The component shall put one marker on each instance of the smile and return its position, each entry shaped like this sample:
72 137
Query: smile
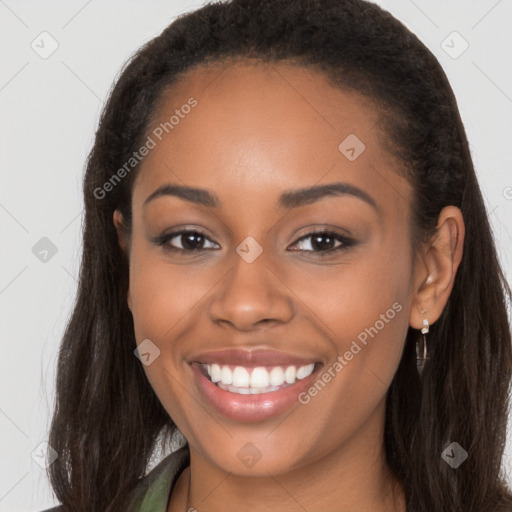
252 385
255 380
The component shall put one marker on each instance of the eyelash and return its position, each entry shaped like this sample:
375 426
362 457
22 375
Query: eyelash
163 241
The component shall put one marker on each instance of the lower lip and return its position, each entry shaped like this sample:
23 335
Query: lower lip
250 408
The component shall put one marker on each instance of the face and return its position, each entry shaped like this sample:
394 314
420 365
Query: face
296 303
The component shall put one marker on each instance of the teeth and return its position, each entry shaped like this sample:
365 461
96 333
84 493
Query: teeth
305 371
226 376
214 372
240 377
256 380
276 376
259 378
247 391
289 374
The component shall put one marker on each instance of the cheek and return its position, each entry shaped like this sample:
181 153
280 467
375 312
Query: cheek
162 294
352 296
164 300
363 308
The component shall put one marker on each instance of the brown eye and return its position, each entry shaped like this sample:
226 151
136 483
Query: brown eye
323 242
185 241
191 241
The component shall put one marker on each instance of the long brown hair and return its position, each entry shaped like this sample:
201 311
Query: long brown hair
107 417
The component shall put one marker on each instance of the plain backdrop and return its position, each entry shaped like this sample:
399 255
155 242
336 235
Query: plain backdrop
49 111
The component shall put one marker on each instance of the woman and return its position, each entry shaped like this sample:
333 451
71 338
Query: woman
288 261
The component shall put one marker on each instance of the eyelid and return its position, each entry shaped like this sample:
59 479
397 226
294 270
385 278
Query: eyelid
344 239
163 240
166 237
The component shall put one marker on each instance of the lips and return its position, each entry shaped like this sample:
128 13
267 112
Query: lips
251 358
252 385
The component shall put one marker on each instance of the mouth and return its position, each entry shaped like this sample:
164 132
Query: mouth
255 380
252 386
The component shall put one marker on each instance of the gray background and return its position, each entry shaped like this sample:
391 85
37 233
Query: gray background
49 110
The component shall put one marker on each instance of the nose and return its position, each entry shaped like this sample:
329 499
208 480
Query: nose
251 294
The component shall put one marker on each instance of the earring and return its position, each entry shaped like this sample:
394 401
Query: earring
421 347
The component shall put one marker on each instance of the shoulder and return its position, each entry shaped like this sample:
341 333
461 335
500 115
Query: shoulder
58 508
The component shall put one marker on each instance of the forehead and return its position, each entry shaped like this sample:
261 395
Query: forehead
257 128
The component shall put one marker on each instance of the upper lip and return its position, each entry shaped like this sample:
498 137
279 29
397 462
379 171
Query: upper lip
243 357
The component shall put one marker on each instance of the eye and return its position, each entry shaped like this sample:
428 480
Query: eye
185 240
193 242
323 242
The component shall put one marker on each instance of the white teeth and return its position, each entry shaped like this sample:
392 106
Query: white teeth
304 371
214 372
256 380
276 376
259 378
248 391
226 376
240 377
289 374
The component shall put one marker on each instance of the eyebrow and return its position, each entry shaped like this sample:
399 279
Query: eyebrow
304 196
289 199
192 194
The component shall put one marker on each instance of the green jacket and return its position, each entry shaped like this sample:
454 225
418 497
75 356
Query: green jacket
152 493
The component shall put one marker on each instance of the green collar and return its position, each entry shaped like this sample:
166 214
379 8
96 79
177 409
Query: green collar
153 492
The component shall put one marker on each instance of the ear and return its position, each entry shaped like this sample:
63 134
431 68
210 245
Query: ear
436 268
119 225
123 243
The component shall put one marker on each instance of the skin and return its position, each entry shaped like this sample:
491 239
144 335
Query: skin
257 131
